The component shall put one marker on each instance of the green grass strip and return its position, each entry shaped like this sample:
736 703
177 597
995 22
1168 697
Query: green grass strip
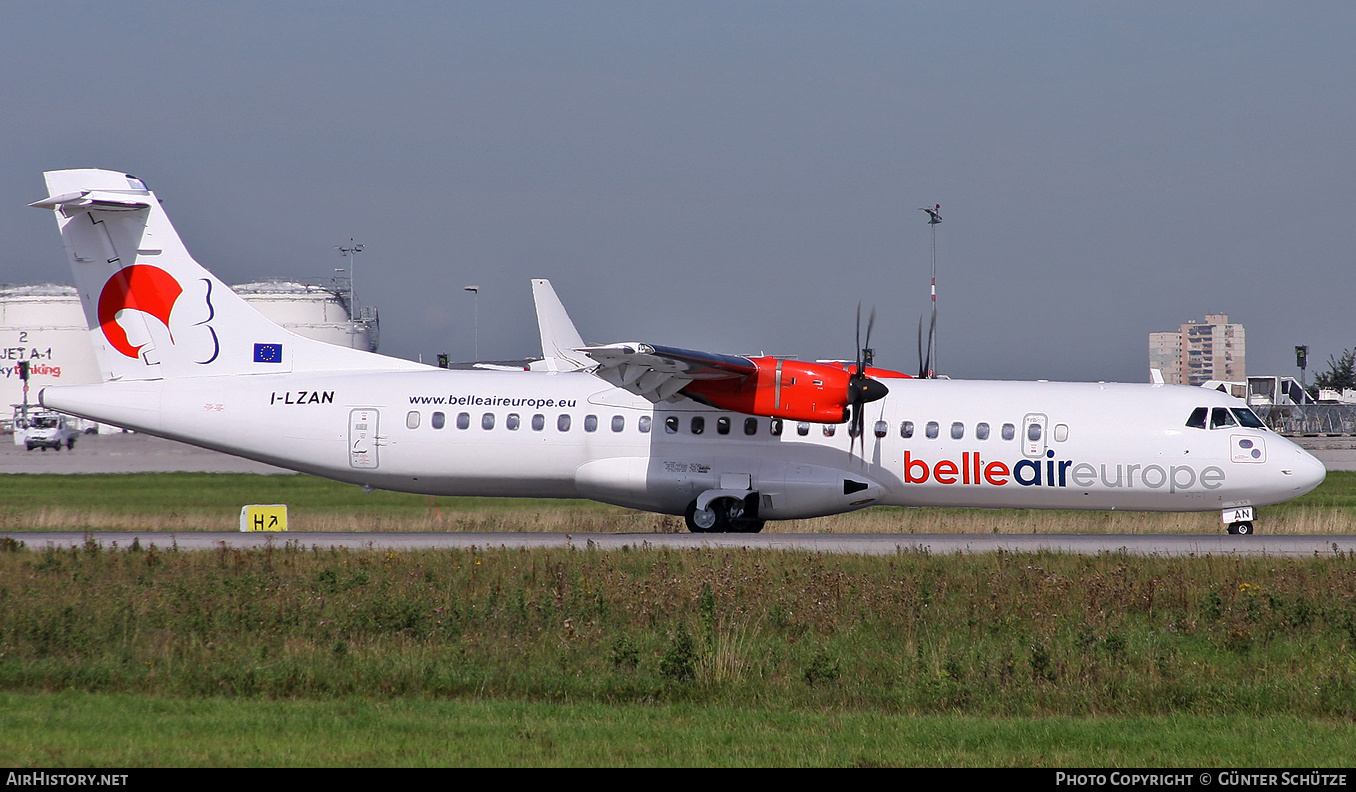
84 730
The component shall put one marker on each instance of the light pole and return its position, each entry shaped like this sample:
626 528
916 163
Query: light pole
929 366
350 252
475 301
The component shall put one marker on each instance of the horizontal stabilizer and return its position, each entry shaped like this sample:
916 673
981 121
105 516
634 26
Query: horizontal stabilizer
84 200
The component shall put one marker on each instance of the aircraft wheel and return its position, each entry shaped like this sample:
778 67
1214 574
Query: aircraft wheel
750 526
704 521
736 520
1241 528
70 444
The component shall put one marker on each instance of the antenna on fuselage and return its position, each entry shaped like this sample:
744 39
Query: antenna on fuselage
927 366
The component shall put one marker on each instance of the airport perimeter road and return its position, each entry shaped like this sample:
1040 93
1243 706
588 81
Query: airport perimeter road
863 544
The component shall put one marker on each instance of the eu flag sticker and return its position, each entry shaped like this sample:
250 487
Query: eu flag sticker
268 353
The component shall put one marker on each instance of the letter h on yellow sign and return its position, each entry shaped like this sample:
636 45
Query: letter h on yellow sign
263 517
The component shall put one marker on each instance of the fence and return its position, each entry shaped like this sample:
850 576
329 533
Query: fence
1310 419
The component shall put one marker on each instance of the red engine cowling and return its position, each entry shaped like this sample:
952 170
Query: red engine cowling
789 389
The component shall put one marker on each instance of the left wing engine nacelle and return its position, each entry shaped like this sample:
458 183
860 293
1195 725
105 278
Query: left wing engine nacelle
790 389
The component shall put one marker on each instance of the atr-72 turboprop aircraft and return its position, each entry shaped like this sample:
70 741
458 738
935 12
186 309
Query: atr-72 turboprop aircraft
729 442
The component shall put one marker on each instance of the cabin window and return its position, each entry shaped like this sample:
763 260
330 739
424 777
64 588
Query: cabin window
563 423
671 424
512 421
1009 431
1033 432
957 431
590 423
412 420
932 430
906 429
1197 419
1248 418
882 429
750 426
438 420
723 425
538 422
643 423
1220 418
802 429
775 427
618 423
463 420
487 421
1061 433
830 430
698 424
981 431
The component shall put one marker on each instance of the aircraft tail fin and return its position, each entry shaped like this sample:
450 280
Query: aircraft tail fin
560 341
155 313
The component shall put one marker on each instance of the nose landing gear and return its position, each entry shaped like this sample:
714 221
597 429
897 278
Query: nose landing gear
1239 519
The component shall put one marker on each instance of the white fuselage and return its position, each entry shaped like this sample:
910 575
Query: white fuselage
1098 446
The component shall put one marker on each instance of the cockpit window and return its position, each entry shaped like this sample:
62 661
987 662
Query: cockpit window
1220 418
1248 418
1197 419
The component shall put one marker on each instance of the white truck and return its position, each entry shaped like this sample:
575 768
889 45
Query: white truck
46 429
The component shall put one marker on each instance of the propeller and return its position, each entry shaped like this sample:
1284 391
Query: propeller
862 389
925 362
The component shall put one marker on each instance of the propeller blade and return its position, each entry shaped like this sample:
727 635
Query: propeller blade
932 341
922 364
858 342
870 323
863 389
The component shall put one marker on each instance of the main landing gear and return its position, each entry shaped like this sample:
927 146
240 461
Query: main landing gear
725 515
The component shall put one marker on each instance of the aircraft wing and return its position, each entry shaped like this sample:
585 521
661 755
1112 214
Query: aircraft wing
659 372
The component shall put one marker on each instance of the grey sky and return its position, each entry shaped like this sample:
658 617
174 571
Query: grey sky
732 177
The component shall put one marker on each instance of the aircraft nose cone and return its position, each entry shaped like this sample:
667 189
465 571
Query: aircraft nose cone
1309 472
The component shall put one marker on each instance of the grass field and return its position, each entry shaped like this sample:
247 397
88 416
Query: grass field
729 657
150 656
211 502
113 730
